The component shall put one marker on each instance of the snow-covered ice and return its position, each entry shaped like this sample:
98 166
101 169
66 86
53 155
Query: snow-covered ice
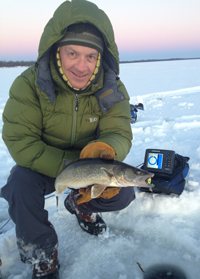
154 228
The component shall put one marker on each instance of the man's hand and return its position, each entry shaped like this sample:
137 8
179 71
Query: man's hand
98 150
103 151
108 193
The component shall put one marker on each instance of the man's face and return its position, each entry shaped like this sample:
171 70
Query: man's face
78 64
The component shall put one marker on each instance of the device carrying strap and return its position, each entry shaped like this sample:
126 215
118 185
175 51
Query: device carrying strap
179 165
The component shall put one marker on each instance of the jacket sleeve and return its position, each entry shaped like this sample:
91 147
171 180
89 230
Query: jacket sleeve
22 132
115 127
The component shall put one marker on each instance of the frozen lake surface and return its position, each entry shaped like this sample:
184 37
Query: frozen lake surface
154 228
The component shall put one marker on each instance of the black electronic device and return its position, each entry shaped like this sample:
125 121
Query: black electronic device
170 170
159 161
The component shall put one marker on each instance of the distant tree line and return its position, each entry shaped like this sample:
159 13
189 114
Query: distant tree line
16 63
30 63
158 60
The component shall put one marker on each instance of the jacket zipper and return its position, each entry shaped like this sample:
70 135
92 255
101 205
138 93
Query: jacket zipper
76 99
76 96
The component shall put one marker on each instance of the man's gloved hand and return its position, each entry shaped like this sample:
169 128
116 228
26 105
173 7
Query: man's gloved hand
103 151
98 150
108 193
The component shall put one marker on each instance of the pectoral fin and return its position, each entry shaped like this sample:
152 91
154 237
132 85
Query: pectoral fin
96 190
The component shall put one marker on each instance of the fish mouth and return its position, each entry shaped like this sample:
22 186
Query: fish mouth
146 181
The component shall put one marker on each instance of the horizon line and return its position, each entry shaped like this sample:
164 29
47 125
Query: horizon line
4 63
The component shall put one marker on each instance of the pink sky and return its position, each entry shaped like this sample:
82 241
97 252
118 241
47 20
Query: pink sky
143 30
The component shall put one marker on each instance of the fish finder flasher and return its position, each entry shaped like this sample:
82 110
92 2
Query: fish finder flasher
159 161
170 170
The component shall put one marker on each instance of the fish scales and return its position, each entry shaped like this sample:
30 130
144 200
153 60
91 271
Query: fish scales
81 173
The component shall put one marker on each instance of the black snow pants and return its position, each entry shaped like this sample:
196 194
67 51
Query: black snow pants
25 192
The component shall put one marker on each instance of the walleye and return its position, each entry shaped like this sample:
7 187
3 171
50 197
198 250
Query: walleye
100 174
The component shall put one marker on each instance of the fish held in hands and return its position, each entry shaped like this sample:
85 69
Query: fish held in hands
100 174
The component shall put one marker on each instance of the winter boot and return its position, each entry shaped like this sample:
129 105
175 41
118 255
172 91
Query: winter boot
91 223
47 270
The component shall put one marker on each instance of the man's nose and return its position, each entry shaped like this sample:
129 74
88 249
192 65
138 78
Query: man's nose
81 64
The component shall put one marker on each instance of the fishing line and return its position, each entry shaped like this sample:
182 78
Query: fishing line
139 165
4 225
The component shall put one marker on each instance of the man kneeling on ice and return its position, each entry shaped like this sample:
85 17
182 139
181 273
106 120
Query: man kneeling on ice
69 105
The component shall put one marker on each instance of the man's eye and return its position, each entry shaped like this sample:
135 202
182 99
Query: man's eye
71 54
92 58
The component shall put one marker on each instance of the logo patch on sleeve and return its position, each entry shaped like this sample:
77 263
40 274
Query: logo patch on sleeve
91 120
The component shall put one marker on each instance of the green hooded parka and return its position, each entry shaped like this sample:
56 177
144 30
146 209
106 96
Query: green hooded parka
45 122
